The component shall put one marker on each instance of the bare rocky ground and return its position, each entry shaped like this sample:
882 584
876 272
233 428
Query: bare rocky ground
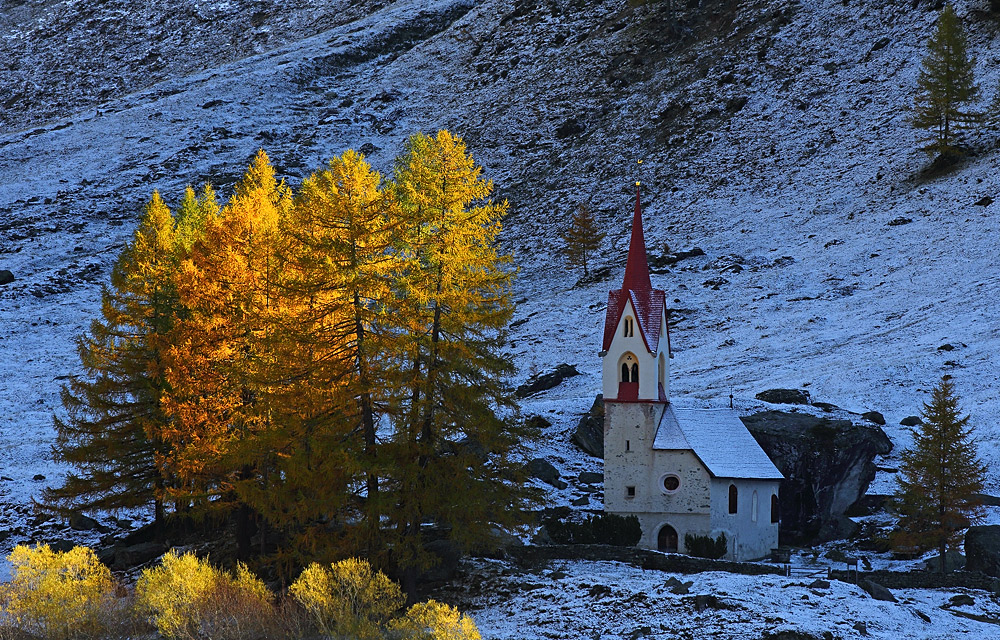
774 136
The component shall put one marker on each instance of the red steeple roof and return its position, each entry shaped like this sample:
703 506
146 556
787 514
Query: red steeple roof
636 268
647 302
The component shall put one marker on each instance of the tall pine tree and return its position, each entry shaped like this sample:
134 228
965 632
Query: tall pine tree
343 256
946 86
940 477
222 359
115 419
457 433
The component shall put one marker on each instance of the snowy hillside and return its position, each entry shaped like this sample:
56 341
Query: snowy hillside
774 137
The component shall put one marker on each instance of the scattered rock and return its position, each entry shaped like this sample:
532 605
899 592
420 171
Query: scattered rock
537 422
704 601
4 535
599 591
546 472
641 632
911 421
580 502
62 546
982 549
953 561
819 584
569 128
946 347
557 575
874 417
136 555
80 522
826 406
861 627
784 396
6 277
827 464
501 539
961 600
715 283
677 587
877 591
38 477
985 201
589 434
448 555
6 478
591 477
659 263
896 222
546 381
988 500
923 616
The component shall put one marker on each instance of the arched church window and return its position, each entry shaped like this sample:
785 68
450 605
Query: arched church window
774 508
733 498
624 372
635 372
753 507
629 328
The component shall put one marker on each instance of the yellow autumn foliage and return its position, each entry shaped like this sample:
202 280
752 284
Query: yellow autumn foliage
433 620
348 599
188 598
57 595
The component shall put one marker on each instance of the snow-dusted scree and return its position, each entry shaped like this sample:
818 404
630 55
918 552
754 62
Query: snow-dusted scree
774 137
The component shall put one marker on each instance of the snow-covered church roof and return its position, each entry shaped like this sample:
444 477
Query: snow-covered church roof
720 440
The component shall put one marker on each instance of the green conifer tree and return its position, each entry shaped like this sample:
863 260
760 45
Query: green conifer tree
940 477
457 436
946 86
582 238
115 412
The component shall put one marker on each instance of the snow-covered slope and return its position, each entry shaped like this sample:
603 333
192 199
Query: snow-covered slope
774 136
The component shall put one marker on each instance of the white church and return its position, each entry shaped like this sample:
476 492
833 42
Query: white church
679 470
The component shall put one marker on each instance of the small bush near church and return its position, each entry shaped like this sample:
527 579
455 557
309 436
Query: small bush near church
619 531
706 546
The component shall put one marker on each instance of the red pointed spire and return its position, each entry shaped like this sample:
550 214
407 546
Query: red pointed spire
636 268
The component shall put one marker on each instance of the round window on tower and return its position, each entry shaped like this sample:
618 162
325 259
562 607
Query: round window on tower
670 483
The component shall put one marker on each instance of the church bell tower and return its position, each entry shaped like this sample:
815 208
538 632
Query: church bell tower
636 348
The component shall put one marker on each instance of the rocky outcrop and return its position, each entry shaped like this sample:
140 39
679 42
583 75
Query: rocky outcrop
589 434
546 381
6 277
982 549
784 396
546 472
827 464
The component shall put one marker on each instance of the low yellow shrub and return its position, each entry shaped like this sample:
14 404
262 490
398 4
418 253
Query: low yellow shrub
58 595
348 599
434 620
187 598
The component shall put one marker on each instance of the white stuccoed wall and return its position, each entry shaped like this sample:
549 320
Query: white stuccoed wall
748 540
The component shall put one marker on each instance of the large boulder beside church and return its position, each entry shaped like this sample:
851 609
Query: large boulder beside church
589 434
982 549
827 464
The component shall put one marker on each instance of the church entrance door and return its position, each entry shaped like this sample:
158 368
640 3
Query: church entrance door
666 540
